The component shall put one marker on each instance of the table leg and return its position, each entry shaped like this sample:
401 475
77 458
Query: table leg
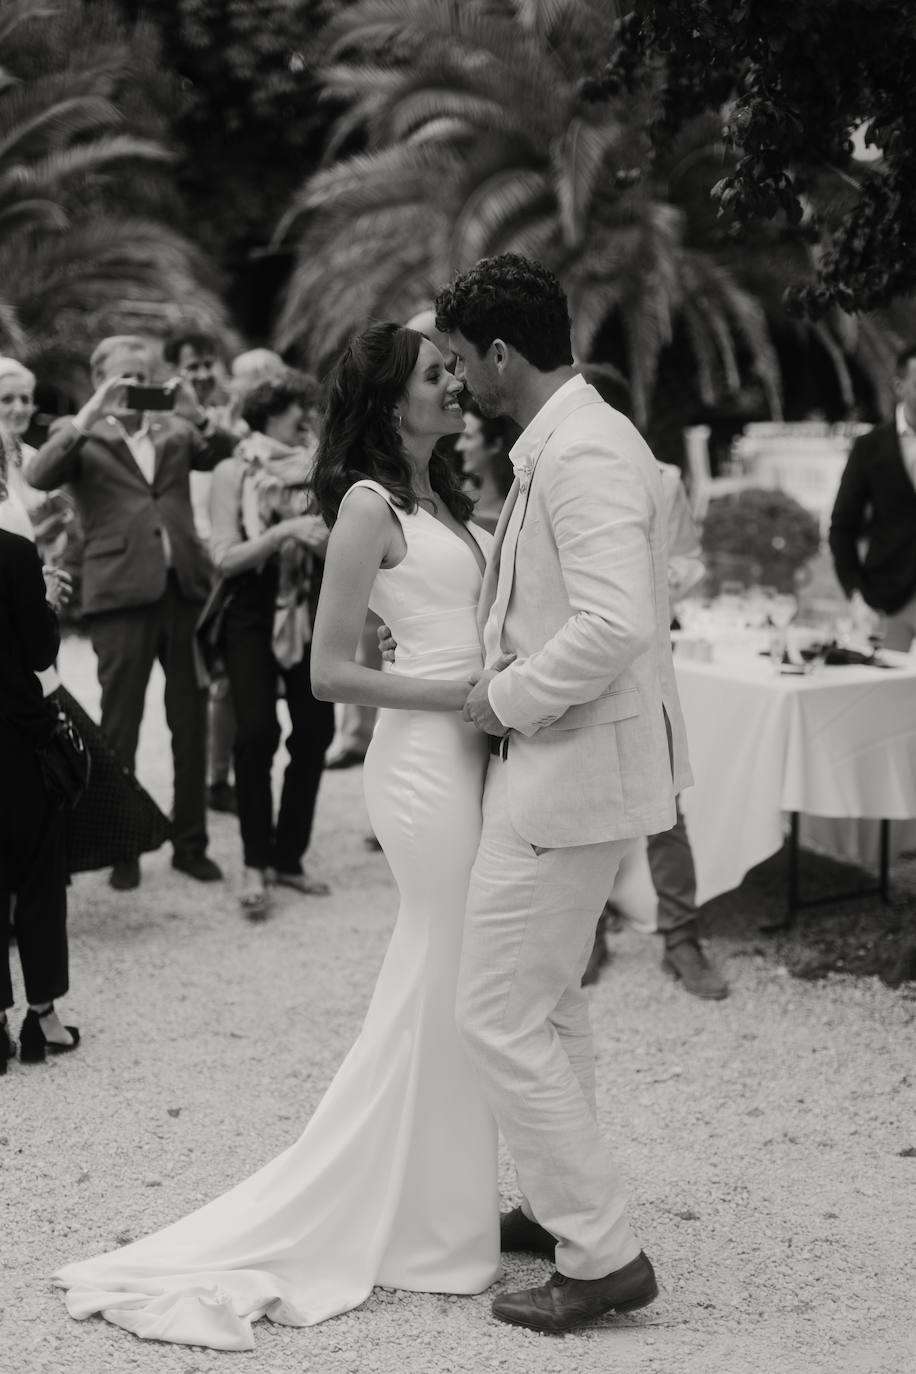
883 884
793 868
793 899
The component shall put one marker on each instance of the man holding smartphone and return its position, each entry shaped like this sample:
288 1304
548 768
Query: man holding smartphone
126 457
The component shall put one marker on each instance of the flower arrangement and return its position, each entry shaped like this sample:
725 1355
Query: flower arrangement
762 529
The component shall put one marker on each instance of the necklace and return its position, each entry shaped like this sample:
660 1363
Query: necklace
428 500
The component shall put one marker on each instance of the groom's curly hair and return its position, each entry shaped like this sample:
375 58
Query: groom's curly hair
514 299
360 429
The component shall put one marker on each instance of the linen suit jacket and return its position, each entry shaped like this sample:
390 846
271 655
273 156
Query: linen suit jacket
876 502
597 748
123 516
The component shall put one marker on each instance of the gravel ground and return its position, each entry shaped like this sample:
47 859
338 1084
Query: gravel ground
769 1139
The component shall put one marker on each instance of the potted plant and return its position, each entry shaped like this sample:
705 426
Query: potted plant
759 536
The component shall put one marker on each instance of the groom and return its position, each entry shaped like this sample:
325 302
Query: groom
588 752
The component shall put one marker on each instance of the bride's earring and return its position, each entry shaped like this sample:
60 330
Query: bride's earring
396 417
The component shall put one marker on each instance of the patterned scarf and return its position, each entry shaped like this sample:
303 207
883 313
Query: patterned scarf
276 485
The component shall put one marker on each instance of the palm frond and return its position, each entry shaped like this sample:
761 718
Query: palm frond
503 198
32 214
16 12
79 160
66 119
579 157
13 338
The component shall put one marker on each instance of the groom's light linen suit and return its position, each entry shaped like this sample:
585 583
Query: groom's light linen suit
577 589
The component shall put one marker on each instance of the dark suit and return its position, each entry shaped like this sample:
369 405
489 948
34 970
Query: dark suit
32 831
141 592
876 502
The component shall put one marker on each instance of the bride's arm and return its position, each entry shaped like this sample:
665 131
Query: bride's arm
365 537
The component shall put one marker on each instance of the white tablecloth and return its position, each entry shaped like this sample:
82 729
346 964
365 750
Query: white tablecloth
837 743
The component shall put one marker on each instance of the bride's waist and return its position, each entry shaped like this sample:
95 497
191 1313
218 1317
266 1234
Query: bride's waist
436 644
455 660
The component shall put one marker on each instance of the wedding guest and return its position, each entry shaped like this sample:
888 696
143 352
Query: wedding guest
267 544
197 355
668 853
248 369
46 516
33 861
484 450
873 526
116 818
145 575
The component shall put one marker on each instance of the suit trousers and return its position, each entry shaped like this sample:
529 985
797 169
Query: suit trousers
525 1017
33 865
254 676
127 643
674 878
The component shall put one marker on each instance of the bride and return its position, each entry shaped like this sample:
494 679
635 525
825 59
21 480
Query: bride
393 1181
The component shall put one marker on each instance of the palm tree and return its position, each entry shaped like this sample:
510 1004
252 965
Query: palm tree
465 133
80 252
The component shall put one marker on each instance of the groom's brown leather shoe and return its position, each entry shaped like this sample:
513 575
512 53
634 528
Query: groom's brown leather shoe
519 1233
563 1303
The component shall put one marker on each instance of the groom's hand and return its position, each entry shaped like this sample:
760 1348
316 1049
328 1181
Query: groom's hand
477 708
386 643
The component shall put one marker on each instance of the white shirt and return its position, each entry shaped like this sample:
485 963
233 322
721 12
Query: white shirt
907 437
144 451
522 454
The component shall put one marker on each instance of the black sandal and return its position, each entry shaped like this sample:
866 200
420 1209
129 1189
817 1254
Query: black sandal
7 1047
32 1042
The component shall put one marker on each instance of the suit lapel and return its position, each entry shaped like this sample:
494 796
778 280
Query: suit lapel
491 575
110 437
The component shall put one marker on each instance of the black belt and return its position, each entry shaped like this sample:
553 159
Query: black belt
499 745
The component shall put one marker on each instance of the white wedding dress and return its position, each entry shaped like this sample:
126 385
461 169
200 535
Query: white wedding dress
393 1181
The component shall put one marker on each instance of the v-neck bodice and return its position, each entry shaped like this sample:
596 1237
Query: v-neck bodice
429 599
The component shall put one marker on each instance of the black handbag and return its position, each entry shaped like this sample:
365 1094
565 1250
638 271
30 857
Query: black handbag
208 633
63 759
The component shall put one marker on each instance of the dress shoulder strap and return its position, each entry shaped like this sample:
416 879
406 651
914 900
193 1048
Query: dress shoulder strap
372 486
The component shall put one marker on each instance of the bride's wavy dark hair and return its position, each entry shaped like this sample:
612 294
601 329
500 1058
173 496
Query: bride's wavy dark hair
359 434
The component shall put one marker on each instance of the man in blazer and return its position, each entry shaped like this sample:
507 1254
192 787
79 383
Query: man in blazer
145 574
589 752
876 504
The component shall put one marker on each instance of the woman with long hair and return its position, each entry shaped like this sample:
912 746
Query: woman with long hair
394 1180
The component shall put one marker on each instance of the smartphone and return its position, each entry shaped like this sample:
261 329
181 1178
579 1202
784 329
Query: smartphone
149 397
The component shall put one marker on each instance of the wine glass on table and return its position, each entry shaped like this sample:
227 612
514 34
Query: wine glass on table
781 611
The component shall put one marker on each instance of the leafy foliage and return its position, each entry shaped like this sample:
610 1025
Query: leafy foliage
475 128
245 118
796 80
81 179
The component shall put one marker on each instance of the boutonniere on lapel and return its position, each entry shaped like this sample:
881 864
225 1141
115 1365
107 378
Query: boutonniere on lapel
523 471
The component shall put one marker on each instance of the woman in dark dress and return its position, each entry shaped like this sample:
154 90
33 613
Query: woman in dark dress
33 840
